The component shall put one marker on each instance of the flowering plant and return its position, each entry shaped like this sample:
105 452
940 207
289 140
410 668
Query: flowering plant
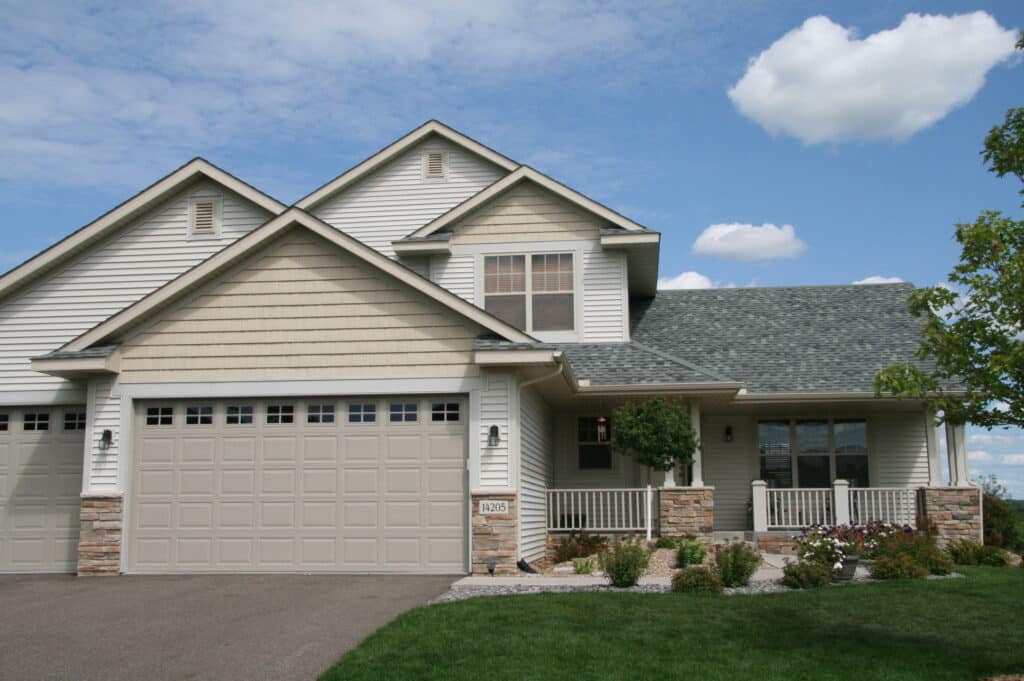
817 545
857 540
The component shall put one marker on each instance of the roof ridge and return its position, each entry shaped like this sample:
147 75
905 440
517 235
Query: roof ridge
680 360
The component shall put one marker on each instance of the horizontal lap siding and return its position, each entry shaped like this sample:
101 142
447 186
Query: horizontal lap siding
395 200
351 321
455 273
106 415
526 213
110 276
536 475
604 296
730 467
495 406
899 449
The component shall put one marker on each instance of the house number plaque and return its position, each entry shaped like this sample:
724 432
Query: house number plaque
491 507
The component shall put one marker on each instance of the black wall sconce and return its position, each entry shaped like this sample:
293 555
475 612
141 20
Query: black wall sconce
493 437
106 440
728 433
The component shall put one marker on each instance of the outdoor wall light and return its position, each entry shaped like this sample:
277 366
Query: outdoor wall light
493 437
491 566
106 440
728 433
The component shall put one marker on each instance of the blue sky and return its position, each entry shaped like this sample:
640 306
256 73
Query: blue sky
855 134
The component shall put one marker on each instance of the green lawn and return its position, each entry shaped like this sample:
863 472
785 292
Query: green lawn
952 629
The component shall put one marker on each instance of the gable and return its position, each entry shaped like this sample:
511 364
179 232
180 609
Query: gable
300 308
526 212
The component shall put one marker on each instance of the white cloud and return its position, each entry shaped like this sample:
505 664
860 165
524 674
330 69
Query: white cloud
820 83
979 455
686 280
735 241
876 279
994 439
1013 460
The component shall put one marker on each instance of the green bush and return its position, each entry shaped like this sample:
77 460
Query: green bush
898 566
665 543
735 564
696 580
807 574
1002 526
583 566
971 553
624 564
579 545
691 552
920 547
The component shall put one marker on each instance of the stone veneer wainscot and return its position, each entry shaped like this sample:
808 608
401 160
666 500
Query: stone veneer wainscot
686 511
494 537
99 544
954 512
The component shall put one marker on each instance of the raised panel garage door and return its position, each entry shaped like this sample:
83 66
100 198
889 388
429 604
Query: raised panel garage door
287 485
40 487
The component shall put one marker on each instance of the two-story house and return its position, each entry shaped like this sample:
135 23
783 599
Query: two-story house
414 369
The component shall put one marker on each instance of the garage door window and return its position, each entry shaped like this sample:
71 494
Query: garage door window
238 415
320 413
199 416
444 411
37 421
4 420
159 416
364 412
280 413
74 420
403 412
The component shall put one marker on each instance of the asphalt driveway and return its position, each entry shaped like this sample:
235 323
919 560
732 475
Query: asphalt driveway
255 628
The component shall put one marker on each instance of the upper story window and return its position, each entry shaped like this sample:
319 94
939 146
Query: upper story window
532 293
204 216
435 165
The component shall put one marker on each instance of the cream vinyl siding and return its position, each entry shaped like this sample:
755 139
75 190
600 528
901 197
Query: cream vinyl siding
115 273
495 407
536 472
899 450
526 213
730 467
455 273
605 297
301 308
396 200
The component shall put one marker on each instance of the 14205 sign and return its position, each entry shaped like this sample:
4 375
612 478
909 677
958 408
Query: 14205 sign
493 507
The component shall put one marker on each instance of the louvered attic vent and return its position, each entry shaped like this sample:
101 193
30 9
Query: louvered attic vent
434 164
204 215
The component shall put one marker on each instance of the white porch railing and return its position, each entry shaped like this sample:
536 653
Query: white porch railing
789 509
601 510
895 505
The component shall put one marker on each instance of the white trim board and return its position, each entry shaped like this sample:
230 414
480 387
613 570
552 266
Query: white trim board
257 389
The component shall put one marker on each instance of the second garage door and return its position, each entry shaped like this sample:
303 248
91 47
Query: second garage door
287 485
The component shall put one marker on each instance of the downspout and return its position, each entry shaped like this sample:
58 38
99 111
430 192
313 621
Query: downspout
521 563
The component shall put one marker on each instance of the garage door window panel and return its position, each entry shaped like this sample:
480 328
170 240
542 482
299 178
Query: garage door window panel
5 420
74 420
403 412
36 421
320 413
238 415
199 416
444 411
362 412
280 414
159 416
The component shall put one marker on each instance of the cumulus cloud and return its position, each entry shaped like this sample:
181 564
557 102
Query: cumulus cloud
735 241
877 279
994 439
819 82
979 455
1013 459
686 280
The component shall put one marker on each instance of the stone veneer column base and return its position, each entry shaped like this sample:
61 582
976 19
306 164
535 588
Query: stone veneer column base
686 511
99 543
495 537
953 512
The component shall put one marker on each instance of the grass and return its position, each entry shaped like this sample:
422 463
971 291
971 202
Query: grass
951 629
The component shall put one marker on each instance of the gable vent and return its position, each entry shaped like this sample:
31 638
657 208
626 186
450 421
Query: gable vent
434 164
204 213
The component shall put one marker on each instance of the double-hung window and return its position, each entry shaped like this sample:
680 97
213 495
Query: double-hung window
532 293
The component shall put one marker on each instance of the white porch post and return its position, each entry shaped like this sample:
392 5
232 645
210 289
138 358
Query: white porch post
841 501
956 448
698 455
934 455
760 493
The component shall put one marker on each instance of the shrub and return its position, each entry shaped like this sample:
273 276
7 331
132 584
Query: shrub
691 552
624 564
821 549
697 580
850 540
807 575
735 564
583 566
898 566
970 553
993 556
579 545
1002 527
665 543
920 548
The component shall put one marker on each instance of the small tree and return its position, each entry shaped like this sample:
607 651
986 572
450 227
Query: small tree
658 433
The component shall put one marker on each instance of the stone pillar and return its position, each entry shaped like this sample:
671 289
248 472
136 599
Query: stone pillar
495 533
953 512
99 542
686 511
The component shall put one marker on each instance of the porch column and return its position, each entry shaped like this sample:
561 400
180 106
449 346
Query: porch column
759 490
956 448
841 501
698 455
934 455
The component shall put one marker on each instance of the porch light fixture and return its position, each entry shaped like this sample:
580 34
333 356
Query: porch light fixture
106 440
728 433
602 429
493 437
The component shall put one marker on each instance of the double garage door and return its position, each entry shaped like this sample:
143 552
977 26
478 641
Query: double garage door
40 483
290 485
